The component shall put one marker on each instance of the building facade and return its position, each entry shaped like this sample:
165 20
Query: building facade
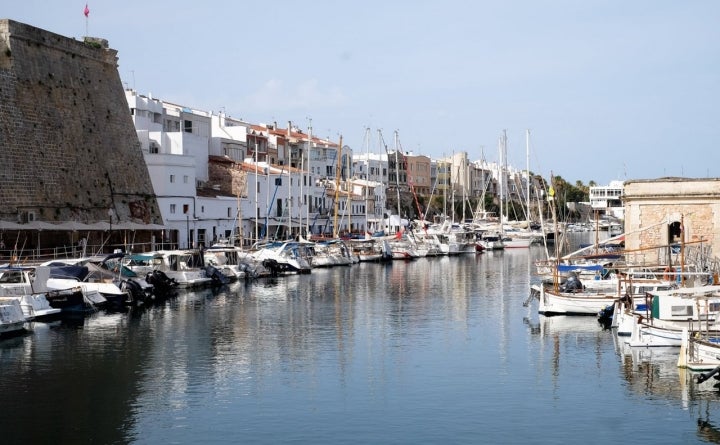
664 214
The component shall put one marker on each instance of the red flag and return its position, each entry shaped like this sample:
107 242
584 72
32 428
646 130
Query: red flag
87 10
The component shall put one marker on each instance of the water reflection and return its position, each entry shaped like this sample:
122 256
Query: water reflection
707 429
340 355
653 372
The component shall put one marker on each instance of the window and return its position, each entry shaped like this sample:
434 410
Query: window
188 126
185 179
172 208
228 212
681 311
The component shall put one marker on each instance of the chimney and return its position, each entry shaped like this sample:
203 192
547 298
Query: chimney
289 129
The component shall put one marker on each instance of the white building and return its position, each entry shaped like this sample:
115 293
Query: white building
607 200
275 191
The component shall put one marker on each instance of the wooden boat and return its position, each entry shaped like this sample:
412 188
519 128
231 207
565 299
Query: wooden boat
665 313
699 350
571 301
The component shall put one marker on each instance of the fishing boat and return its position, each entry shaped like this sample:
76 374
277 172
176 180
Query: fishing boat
665 313
571 298
700 351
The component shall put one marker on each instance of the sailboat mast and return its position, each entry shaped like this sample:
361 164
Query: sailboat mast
336 231
445 185
238 217
257 232
397 177
302 180
553 208
527 176
303 197
502 185
367 177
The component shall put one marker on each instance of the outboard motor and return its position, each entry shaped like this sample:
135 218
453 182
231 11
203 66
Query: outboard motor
134 291
272 266
572 284
605 316
162 284
218 278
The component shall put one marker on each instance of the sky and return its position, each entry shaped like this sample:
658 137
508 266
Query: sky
608 89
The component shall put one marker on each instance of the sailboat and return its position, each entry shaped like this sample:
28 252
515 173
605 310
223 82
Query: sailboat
512 237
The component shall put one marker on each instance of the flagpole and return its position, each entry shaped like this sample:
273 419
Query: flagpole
86 12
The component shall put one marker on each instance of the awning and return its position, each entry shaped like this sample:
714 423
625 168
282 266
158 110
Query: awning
77 226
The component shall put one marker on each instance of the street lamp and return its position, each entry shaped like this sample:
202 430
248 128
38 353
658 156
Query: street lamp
186 211
110 216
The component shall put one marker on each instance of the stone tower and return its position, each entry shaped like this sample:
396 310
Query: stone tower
68 147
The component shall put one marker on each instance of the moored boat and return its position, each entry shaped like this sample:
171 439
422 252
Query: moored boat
12 319
185 268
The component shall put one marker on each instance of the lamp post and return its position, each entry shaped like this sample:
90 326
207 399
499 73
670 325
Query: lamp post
186 211
110 216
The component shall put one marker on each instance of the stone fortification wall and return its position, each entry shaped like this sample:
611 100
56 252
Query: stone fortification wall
68 147
651 205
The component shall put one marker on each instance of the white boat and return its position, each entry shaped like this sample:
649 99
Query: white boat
665 313
370 249
563 301
576 297
28 284
115 282
37 307
699 350
233 262
491 241
329 253
88 277
516 242
282 257
403 249
184 267
12 319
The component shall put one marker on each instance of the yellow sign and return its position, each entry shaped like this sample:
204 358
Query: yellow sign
551 192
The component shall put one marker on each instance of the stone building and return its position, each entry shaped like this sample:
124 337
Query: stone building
663 214
70 159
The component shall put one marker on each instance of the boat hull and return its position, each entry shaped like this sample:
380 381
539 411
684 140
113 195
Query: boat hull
568 303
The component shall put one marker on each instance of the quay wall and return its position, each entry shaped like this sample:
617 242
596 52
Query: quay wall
68 147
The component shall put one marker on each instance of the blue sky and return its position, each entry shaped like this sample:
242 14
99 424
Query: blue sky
610 89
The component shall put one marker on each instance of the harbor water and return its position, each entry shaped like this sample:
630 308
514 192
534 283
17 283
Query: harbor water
435 350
